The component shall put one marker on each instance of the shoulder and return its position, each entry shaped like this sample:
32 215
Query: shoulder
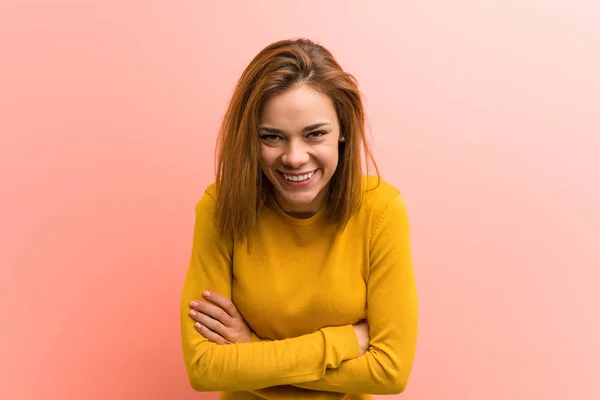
382 207
378 195
384 211
211 190
207 202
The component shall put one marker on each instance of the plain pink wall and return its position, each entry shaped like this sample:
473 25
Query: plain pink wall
485 116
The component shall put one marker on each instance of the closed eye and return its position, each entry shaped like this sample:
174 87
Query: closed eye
270 138
317 134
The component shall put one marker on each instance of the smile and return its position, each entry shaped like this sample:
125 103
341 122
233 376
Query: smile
299 178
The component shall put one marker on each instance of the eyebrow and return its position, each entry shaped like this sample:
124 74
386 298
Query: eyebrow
305 129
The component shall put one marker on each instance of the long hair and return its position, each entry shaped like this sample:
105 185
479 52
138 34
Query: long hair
241 185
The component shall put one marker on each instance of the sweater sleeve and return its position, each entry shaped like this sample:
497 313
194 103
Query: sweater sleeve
255 365
392 314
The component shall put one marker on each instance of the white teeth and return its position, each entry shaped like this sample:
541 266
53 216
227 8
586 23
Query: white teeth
299 178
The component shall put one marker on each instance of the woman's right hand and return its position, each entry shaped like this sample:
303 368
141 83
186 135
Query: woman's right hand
362 335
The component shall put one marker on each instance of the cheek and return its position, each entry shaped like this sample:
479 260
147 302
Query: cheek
331 158
266 157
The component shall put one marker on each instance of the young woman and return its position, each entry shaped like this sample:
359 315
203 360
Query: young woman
293 245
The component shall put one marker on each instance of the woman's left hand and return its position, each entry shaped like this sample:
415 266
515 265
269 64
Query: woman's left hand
219 322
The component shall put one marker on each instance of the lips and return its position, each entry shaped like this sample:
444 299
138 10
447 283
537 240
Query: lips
298 177
297 180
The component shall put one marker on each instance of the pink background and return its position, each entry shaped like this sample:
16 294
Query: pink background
485 114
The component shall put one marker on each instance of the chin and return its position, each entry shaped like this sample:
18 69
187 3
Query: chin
300 200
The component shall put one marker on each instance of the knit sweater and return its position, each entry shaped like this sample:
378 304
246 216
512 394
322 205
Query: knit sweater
300 289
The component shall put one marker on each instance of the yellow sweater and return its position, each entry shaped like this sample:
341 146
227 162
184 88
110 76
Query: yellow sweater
300 290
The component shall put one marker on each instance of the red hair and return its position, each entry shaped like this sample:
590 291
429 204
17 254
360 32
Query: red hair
241 185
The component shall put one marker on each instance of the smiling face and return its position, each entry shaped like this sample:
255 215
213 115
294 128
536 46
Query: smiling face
299 137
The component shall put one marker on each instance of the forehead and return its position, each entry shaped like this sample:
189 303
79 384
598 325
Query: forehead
297 108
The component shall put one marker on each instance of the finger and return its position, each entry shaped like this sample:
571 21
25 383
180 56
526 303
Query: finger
211 323
223 302
212 311
209 334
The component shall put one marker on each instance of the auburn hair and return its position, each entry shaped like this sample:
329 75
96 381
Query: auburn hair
241 186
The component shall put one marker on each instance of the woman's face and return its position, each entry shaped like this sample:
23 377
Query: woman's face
299 136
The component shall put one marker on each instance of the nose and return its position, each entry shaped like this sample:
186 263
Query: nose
295 155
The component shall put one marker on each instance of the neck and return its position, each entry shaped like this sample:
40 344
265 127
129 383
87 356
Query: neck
300 211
